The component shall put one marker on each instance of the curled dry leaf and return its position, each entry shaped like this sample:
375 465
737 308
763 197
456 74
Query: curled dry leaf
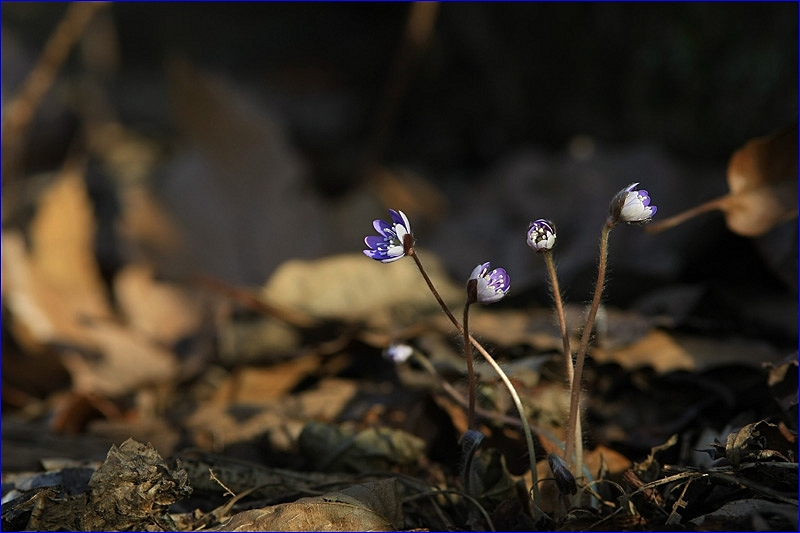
762 178
373 506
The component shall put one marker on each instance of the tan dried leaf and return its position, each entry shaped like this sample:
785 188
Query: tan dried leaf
762 178
161 311
373 506
354 287
62 244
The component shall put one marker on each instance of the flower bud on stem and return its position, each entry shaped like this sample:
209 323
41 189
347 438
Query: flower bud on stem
409 250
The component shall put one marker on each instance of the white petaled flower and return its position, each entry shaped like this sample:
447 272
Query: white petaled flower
631 206
390 245
542 235
491 286
398 353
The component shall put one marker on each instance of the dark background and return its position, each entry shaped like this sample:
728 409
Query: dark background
488 120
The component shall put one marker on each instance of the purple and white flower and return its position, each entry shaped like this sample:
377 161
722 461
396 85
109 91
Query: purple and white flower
491 286
390 245
541 235
631 206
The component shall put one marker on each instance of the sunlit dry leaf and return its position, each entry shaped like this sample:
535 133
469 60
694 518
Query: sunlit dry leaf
338 511
62 244
666 352
354 287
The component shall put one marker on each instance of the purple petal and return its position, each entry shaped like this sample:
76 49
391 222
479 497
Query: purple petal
381 226
374 241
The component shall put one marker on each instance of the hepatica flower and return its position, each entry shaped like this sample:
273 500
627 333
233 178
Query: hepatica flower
390 245
542 235
490 286
631 206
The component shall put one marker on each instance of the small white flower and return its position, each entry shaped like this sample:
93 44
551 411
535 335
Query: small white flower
631 206
491 286
542 235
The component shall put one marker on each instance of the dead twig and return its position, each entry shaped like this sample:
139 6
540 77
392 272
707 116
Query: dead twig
20 111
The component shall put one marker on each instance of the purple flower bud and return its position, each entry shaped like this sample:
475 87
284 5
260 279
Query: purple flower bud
490 286
565 481
631 206
541 235
391 244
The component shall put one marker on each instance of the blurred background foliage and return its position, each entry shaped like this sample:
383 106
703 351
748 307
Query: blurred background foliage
697 78
474 118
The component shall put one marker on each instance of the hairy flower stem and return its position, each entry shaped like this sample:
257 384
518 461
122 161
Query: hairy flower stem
526 428
436 295
562 322
470 369
575 393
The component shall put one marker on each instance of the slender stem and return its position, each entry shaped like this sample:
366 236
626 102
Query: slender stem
575 393
562 321
470 369
436 295
674 220
511 390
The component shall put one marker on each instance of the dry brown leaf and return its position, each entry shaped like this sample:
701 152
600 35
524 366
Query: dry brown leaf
56 285
160 311
113 361
255 384
762 178
132 490
373 506
281 418
62 244
353 287
101 356
40 313
669 352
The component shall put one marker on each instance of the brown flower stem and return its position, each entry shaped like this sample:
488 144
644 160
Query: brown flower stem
507 382
470 369
436 295
562 321
576 463
674 220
